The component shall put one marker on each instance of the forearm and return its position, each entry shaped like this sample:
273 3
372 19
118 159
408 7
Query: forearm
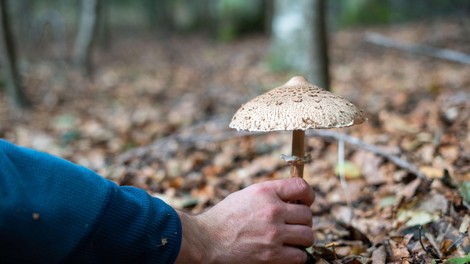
134 228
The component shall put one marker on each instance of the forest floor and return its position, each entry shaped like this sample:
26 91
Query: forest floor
155 115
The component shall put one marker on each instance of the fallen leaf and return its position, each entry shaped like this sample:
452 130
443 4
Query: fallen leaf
462 260
450 153
416 217
465 191
399 248
351 171
409 190
379 256
393 123
422 210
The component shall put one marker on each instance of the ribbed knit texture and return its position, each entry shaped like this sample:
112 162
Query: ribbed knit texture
53 211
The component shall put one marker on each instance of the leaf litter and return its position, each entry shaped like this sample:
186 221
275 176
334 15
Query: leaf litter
159 119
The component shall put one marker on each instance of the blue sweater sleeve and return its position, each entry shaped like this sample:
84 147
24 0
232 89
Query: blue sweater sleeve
53 211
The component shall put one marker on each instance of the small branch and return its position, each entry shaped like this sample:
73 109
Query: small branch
355 142
213 130
426 249
445 54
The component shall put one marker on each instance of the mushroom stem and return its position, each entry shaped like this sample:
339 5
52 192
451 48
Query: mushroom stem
298 150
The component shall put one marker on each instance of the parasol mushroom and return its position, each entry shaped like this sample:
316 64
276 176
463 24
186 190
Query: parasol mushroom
296 106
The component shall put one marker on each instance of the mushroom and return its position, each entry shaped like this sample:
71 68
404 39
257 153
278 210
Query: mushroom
296 106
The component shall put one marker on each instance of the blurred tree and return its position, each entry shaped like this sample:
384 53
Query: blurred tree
299 39
268 7
167 16
104 26
318 62
235 17
158 15
88 27
372 12
9 64
22 14
224 19
190 15
49 26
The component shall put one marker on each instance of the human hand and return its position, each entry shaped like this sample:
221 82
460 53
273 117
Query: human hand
268 222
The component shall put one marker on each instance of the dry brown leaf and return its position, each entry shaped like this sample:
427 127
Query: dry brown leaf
409 190
450 153
399 248
379 255
396 124
432 172
370 164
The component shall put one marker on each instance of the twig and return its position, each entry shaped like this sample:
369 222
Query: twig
164 147
457 242
426 249
355 142
342 178
445 54
434 245
189 136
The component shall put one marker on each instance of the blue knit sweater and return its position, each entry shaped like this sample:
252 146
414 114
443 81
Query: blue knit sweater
53 211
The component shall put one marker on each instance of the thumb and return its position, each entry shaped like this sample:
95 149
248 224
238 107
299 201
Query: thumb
293 189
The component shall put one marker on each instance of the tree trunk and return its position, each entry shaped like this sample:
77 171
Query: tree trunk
268 7
13 79
22 13
299 40
86 35
318 44
159 15
104 28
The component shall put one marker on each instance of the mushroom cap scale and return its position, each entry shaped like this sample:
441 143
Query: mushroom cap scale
296 105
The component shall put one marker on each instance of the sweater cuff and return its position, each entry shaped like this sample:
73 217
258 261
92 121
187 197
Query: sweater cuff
137 228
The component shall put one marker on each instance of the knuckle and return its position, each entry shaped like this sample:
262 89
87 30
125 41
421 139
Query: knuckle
267 255
272 235
272 212
261 189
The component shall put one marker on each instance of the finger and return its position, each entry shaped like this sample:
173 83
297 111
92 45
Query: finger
294 190
298 236
298 214
293 255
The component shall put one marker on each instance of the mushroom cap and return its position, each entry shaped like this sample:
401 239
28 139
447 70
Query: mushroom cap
296 105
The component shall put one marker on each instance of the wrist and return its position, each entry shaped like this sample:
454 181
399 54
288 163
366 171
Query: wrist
195 245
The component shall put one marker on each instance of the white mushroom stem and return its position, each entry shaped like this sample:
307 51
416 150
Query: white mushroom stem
298 150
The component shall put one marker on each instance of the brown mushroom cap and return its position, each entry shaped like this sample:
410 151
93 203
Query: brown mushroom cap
296 105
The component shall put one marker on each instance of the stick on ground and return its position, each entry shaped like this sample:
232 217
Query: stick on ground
159 148
445 54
